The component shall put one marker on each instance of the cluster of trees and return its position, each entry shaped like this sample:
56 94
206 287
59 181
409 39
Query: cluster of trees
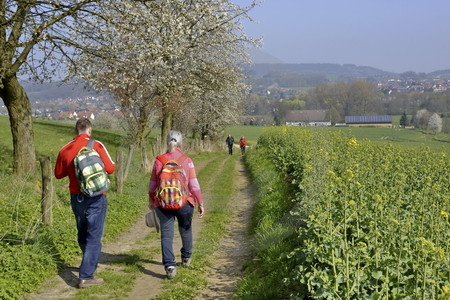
346 99
397 103
164 61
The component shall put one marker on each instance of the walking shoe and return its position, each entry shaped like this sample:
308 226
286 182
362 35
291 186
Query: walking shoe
186 262
171 272
90 282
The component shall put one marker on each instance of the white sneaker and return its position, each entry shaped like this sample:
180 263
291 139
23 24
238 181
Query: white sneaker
171 272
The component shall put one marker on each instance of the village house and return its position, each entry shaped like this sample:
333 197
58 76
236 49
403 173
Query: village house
307 118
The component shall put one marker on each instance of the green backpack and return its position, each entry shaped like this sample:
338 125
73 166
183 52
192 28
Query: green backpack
89 168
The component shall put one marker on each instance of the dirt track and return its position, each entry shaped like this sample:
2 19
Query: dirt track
234 251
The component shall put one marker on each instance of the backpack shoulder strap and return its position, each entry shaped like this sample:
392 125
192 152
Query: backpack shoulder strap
164 160
182 159
90 144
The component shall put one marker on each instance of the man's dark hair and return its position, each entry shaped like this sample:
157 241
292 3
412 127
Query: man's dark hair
82 125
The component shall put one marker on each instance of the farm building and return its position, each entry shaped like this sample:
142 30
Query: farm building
307 118
376 121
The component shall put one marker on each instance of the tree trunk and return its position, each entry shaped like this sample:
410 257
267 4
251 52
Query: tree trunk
166 126
19 110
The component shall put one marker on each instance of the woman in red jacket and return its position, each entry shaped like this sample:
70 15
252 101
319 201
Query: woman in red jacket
243 144
184 214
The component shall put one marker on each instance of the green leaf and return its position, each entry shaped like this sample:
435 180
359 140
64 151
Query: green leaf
377 274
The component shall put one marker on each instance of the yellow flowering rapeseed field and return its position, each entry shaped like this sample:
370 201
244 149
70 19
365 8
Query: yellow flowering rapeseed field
371 220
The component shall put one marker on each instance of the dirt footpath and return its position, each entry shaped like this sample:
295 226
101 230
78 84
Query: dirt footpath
234 251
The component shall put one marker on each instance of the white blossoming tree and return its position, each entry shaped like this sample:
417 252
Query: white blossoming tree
216 108
435 123
160 56
421 119
33 37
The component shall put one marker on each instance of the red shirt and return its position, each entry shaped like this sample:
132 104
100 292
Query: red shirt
64 163
188 166
243 142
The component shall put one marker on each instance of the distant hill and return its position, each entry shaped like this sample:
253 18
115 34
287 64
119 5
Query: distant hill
265 71
261 57
55 90
331 71
441 73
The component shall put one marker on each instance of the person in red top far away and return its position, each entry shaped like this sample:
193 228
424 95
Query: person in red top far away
243 144
184 214
89 212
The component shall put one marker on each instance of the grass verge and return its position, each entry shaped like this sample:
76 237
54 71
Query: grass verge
219 176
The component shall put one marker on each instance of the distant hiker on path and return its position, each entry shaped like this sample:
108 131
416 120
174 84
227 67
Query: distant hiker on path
89 212
173 193
230 141
242 144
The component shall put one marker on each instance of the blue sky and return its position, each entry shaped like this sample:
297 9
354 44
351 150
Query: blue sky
392 35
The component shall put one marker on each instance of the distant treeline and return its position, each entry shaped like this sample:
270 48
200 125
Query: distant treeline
310 75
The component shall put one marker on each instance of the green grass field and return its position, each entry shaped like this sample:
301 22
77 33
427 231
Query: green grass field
251 133
406 137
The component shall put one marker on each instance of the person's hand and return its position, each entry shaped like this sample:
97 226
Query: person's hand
201 210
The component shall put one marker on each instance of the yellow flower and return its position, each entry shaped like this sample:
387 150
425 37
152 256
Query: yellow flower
349 174
353 142
377 198
362 244
444 214
395 221
445 292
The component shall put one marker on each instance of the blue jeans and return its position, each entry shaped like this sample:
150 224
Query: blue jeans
90 213
167 219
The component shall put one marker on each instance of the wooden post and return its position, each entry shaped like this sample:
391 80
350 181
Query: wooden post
120 171
47 190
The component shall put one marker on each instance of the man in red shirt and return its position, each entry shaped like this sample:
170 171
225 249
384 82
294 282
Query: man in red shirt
89 212
242 144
